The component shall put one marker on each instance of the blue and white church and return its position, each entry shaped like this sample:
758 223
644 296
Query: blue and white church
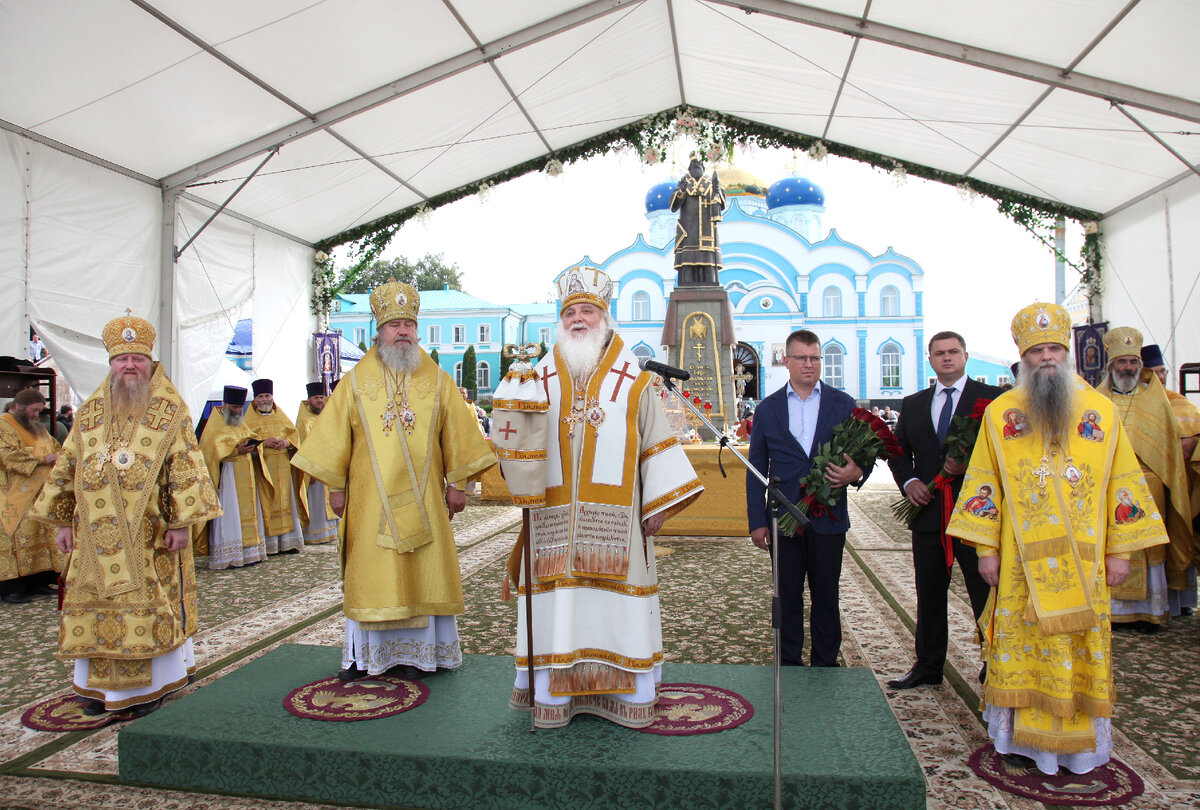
783 272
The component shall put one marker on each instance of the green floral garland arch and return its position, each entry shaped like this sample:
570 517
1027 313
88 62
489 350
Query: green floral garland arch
716 135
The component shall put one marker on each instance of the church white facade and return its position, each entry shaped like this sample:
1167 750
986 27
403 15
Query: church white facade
784 272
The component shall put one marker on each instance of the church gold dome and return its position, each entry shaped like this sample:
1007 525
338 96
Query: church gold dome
736 182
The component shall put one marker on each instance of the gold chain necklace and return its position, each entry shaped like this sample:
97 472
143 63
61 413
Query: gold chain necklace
118 447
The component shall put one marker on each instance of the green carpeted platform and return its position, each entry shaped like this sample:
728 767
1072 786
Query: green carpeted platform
464 748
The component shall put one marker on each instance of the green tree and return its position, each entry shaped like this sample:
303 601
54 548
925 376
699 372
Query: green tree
427 273
468 371
433 355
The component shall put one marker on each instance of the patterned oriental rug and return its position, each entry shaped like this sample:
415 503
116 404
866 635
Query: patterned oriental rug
1112 784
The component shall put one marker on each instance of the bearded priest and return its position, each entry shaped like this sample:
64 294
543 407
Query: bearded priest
394 444
319 520
236 538
125 492
614 473
273 476
1067 504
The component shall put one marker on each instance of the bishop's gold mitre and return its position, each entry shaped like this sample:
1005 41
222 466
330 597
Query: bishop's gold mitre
128 335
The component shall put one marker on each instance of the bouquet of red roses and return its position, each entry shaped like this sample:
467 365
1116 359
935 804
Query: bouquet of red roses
960 441
864 437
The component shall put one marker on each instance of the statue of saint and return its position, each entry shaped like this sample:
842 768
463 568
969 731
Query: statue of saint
700 203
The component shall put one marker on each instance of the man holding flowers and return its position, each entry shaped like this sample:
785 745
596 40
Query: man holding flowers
790 426
929 473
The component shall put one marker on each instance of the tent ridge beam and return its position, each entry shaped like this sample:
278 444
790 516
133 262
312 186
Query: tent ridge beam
220 57
675 51
1017 66
88 157
395 89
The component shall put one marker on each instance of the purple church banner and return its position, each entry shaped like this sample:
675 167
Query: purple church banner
1090 358
327 357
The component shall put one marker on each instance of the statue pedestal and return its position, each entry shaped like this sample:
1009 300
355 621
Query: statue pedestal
699 337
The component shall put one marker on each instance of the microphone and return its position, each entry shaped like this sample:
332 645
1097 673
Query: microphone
663 370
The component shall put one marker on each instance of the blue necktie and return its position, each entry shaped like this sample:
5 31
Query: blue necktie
943 426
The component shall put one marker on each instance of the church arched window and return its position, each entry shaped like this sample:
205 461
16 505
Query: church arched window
483 376
889 366
889 302
458 374
833 364
832 303
641 306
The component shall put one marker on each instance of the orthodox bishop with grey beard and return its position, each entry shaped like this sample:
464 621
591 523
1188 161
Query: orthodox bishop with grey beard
613 473
393 444
125 492
1055 502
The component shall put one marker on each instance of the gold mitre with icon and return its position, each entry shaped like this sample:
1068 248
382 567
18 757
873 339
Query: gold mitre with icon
128 335
584 284
520 427
395 300
1041 323
1124 341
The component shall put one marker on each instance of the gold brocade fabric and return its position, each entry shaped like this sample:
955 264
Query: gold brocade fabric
26 546
219 443
1187 417
272 468
1046 632
166 486
305 419
1154 433
720 511
398 554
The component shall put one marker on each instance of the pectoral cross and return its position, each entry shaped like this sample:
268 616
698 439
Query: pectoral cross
572 419
388 416
508 429
1043 472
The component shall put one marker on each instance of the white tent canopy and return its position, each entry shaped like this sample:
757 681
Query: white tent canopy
128 121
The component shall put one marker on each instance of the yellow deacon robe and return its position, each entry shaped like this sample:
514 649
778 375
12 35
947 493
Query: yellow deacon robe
273 473
26 546
1053 515
128 599
1150 423
399 561
219 443
305 419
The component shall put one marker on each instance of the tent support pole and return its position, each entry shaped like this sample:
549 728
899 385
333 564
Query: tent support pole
166 316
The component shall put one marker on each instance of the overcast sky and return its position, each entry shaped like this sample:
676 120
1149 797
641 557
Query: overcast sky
980 267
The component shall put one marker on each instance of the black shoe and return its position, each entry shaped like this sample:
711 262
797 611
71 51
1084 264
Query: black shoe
44 590
407 672
141 710
1185 611
350 673
292 551
983 674
1018 761
16 598
915 677
91 707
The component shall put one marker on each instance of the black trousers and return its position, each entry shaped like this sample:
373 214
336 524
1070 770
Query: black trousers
933 582
816 558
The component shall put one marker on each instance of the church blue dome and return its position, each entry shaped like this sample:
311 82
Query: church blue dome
658 198
794 190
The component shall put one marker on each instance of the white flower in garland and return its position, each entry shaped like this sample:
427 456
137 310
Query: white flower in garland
818 151
899 173
966 192
423 214
484 189
321 257
714 153
554 167
652 155
687 125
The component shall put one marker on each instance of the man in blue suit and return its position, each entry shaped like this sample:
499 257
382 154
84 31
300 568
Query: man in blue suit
790 425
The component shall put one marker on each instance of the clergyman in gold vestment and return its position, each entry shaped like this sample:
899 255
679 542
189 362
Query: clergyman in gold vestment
276 485
316 514
391 443
1055 506
234 539
1141 602
125 492
29 562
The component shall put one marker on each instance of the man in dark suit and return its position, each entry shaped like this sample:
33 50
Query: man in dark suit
925 419
789 426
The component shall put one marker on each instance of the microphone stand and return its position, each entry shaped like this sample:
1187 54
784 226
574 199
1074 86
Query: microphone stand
775 499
